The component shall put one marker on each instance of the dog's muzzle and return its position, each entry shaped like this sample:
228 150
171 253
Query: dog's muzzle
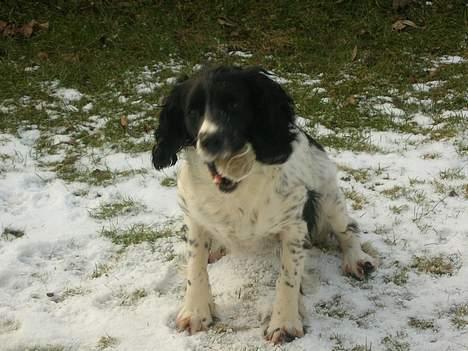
228 173
224 184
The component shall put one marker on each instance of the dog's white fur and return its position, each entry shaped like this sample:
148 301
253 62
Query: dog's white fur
267 204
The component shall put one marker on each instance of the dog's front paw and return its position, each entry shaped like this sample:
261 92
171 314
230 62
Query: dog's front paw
194 318
358 263
281 331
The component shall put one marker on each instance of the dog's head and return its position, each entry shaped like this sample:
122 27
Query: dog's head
232 117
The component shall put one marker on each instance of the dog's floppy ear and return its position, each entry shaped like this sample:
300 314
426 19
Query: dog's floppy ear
272 133
171 135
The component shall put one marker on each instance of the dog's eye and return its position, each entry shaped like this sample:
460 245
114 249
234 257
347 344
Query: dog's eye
233 105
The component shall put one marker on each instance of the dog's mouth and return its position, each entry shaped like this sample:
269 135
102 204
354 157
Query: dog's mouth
224 184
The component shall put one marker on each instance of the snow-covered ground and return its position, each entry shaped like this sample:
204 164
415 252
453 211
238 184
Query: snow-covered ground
66 286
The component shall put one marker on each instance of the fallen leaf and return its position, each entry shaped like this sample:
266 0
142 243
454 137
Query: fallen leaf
3 25
224 21
400 25
351 101
354 55
410 23
43 26
26 30
44 56
124 122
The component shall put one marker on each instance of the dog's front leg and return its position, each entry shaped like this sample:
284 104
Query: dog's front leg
196 313
286 323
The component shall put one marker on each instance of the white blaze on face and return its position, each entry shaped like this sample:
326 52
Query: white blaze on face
207 128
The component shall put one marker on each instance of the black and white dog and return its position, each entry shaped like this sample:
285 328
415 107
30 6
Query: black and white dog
249 174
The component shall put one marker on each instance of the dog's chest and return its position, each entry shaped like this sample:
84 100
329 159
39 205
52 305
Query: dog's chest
256 210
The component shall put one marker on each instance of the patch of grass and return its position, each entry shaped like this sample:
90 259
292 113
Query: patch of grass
106 342
121 207
398 209
47 347
358 200
394 192
12 233
399 276
133 298
431 156
452 174
438 265
358 142
332 308
340 347
9 325
75 291
459 316
168 182
396 342
360 175
100 269
137 234
422 324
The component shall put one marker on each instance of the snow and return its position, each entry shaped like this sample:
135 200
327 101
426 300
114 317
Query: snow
50 293
68 95
388 108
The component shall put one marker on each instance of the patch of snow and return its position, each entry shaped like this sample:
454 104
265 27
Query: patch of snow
241 54
311 82
32 68
171 80
422 120
389 109
67 95
88 107
147 87
319 90
447 59
458 113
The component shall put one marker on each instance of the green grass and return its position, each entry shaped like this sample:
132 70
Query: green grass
137 234
106 342
123 206
437 265
459 316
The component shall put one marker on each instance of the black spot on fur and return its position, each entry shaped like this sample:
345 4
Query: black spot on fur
353 227
310 212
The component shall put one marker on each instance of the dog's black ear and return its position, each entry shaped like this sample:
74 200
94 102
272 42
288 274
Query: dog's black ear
171 134
272 132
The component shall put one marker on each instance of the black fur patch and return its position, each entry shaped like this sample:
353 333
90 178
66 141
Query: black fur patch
309 213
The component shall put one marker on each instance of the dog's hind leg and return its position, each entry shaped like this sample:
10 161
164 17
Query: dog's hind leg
355 260
196 313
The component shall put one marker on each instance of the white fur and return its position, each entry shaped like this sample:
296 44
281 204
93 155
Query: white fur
266 205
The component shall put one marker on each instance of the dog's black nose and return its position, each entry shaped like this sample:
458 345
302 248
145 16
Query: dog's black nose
211 142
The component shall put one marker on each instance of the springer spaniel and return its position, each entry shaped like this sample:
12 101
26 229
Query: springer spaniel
250 174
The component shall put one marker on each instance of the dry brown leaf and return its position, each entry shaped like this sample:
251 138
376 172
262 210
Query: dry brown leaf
73 58
224 21
351 101
400 25
43 26
354 55
3 25
44 56
27 29
410 23
124 122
